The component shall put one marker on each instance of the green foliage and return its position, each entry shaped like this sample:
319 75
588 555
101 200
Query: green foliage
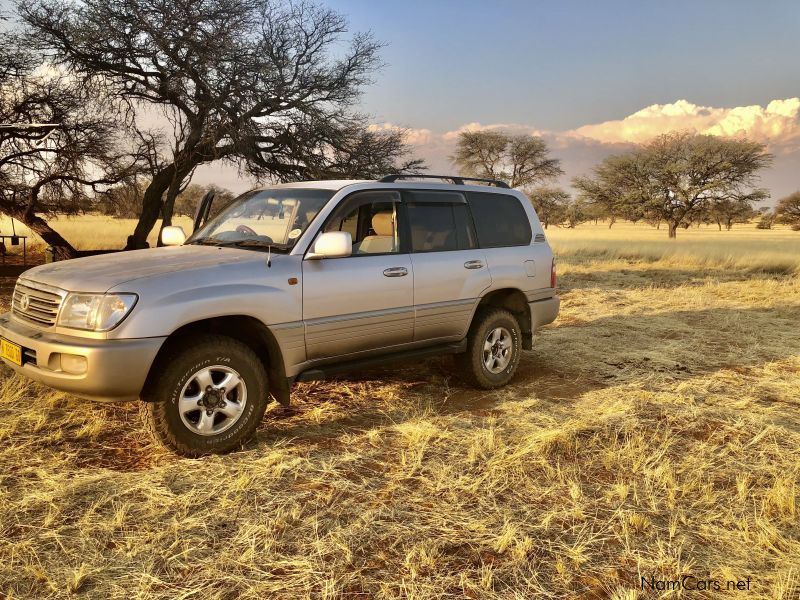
187 201
678 178
766 221
270 86
519 160
788 210
550 204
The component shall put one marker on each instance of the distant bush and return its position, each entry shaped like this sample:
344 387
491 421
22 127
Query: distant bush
766 221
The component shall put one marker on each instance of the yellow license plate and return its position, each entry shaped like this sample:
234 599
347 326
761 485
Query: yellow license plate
11 351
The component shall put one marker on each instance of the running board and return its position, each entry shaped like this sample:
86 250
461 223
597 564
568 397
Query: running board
321 373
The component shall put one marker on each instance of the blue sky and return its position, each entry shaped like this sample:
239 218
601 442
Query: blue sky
591 77
559 65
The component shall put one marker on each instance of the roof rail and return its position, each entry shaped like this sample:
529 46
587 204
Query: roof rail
456 179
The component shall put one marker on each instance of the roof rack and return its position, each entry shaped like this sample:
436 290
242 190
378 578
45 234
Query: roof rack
456 179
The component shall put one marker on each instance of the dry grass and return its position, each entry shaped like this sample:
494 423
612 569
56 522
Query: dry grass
88 232
744 247
654 430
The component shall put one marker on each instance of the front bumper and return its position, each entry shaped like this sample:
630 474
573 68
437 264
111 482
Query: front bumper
115 369
544 311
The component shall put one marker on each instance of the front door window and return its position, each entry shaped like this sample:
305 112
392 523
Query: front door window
371 220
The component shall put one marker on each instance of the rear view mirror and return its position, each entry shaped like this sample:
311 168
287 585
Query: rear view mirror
172 236
333 244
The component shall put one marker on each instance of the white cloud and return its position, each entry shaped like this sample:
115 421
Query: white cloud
415 137
777 124
580 149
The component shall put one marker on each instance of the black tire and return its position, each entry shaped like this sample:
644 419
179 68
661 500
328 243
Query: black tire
471 363
176 373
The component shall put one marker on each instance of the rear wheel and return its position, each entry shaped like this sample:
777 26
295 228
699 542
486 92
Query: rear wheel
494 346
207 396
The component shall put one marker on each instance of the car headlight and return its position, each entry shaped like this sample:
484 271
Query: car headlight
95 312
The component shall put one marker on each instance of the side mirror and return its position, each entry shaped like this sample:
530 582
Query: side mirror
333 244
172 236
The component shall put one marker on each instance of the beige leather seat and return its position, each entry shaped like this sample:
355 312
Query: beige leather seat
383 240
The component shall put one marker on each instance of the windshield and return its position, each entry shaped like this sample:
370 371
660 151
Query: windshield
264 217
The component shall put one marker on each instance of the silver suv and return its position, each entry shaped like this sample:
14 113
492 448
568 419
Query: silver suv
289 283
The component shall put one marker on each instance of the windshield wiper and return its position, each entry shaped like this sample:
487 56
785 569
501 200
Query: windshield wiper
210 241
260 244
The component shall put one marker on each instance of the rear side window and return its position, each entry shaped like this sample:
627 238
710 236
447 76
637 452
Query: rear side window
439 222
500 220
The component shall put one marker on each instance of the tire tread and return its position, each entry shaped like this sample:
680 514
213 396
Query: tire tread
154 407
470 363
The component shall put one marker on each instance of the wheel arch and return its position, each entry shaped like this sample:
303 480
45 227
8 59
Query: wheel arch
245 329
515 301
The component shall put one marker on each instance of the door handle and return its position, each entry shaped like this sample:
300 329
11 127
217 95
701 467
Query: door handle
473 264
395 272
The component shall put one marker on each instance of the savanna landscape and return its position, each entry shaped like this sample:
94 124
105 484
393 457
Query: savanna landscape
648 445
653 431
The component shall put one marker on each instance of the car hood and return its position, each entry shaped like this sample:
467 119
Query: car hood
102 272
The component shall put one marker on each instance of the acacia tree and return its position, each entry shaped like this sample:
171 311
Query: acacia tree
250 81
677 178
550 204
577 211
55 168
187 201
519 160
729 211
788 210
615 190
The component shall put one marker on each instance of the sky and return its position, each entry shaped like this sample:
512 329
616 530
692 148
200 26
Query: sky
590 77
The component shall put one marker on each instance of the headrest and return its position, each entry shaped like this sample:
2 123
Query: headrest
383 223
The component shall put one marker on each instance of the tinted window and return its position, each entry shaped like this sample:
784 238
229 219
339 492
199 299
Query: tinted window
499 219
465 231
433 227
439 227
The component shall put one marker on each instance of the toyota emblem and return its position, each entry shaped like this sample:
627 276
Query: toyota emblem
24 302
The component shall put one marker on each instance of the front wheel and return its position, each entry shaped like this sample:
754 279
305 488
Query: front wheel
207 396
493 349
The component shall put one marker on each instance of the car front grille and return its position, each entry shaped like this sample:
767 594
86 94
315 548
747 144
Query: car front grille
37 303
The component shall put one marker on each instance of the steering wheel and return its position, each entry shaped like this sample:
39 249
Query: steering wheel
245 230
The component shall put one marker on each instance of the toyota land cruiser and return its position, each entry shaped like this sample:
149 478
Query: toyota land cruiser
289 283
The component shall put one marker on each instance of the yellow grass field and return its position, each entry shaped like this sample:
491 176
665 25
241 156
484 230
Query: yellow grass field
653 432
88 232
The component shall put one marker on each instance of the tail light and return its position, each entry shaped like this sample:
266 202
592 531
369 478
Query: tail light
553 274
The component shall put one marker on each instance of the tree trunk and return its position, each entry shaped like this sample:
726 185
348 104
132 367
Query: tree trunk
719 224
168 207
673 230
63 250
151 208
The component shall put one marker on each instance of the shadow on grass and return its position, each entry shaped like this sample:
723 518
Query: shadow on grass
655 352
650 352
636 277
